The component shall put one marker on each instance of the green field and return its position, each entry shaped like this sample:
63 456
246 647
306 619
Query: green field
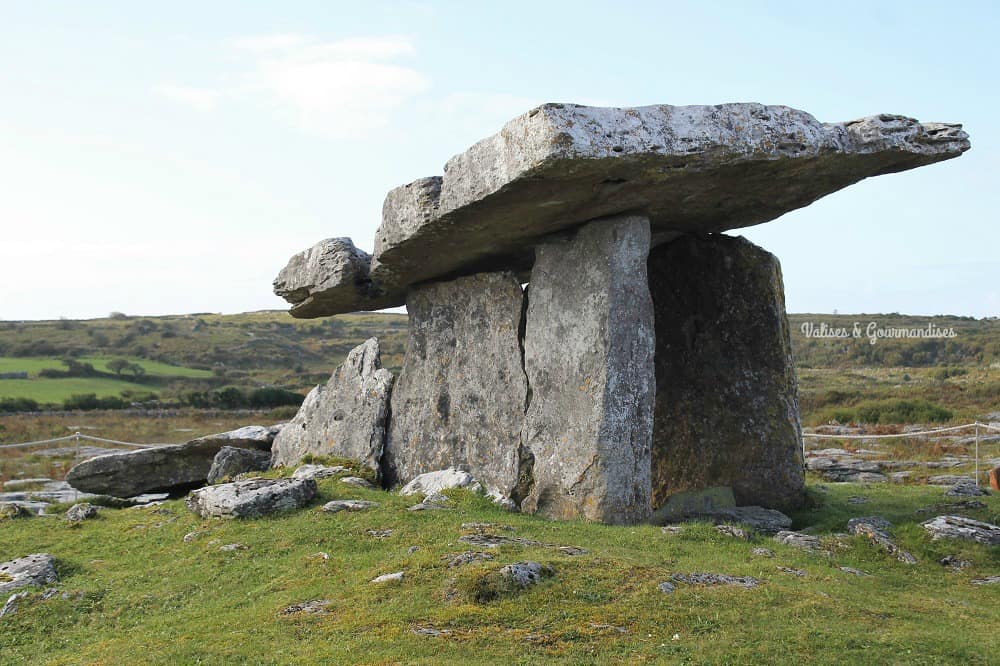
152 368
138 591
47 391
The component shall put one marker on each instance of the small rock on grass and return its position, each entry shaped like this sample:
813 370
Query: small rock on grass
389 577
855 572
795 572
732 531
80 512
232 547
954 563
314 607
337 506
430 631
317 472
468 557
798 540
710 579
666 587
379 534
671 529
989 580
959 527
433 502
763 552
876 529
358 482
37 569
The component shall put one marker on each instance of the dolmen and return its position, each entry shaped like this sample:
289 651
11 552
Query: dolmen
583 337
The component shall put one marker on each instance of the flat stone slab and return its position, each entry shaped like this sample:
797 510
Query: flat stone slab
251 498
960 527
231 461
163 468
36 570
688 168
431 483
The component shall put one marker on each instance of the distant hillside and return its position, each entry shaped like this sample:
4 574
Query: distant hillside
195 359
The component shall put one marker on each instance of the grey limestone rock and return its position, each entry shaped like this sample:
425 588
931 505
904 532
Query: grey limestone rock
80 512
710 579
346 417
330 277
460 398
960 527
37 569
588 352
876 529
431 483
167 468
231 461
798 540
336 506
726 392
251 498
559 165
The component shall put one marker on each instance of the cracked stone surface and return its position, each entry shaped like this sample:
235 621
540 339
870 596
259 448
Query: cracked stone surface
727 409
37 569
559 165
460 398
588 352
346 417
251 498
960 527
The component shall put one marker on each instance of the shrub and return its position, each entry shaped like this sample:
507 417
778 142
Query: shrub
18 405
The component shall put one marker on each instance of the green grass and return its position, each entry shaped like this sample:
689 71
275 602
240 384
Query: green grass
152 368
57 390
147 595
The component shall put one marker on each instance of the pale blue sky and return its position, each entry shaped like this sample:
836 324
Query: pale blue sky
169 157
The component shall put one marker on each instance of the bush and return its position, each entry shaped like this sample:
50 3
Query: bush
18 405
274 397
90 401
891 411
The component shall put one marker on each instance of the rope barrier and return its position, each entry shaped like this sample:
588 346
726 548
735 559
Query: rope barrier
76 437
902 434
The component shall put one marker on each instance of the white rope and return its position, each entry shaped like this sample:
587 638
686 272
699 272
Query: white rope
75 437
41 441
903 434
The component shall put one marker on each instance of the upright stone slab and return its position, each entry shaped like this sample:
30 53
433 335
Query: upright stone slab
346 417
726 395
460 398
589 358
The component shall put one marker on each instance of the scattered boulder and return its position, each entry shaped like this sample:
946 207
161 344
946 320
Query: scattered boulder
468 557
988 580
459 402
169 468
379 534
876 529
37 569
251 498
12 510
855 572
233 547
710 579
954 563
726 392
80 512
389 577
346 417
358 482
967 488
433 483
666 587
949 480
960 527
588 354
801 573
313 607
524 574
508 581
765 521
798 540
433 502
231 461
336 506
847 469
732 531
763 552
317 472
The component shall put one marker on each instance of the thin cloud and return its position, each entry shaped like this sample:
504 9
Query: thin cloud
338 89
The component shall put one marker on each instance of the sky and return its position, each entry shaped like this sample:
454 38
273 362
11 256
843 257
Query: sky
168 158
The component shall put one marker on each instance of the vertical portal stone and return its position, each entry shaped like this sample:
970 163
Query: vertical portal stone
726 395
459 401
589 358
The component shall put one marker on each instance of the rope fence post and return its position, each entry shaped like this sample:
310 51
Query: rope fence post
76 461
977 454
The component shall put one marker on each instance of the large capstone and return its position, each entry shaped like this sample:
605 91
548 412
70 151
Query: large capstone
726 396
460 398
588 351
169 468
688 168
344 418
